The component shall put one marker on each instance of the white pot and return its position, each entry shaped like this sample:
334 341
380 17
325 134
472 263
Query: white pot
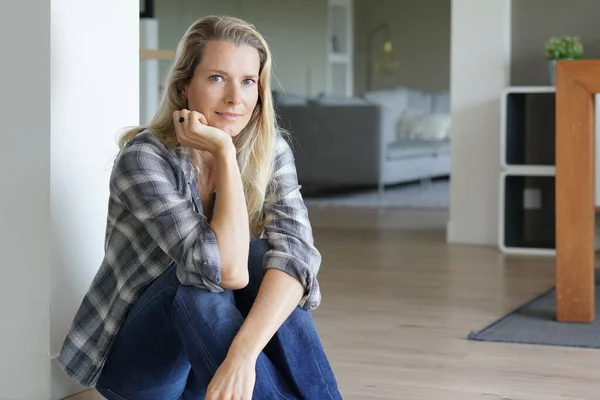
552 71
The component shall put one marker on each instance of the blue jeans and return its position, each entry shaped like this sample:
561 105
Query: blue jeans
175 337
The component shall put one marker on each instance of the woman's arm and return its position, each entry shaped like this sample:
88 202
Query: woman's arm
230 220
292 263
144 182
277 297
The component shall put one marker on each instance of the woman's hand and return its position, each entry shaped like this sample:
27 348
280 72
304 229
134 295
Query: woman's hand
234 379
192 130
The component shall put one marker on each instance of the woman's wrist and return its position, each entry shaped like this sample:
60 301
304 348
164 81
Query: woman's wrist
225 150
242 351
226 158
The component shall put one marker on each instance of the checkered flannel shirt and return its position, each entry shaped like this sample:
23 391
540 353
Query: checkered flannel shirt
155 218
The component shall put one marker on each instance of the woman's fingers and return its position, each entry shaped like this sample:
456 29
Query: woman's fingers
198 117
203 119
194 122
181 120
192 129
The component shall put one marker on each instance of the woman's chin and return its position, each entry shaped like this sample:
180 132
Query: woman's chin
230 129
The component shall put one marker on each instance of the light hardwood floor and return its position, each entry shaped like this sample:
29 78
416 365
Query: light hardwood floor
398 304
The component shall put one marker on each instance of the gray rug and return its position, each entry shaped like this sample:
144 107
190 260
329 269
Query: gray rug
428 195
535 323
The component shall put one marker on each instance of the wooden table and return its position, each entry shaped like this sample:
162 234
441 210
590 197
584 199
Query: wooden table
577 82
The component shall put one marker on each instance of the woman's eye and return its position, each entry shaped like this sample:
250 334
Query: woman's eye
248 81
216 78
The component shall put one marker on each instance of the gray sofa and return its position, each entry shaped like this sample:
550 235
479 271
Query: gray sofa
380 138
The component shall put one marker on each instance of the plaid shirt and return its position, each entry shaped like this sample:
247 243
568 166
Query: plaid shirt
155 218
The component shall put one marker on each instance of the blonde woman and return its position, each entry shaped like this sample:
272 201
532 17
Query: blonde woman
210 270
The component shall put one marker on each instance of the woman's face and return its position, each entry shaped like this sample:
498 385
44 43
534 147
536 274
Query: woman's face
224 87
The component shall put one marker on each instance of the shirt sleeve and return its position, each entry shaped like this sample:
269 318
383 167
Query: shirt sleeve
288 230
145 183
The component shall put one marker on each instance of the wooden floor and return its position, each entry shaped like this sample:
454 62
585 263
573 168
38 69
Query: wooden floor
398 303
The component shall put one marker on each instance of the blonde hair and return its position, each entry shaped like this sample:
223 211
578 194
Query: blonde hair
256 142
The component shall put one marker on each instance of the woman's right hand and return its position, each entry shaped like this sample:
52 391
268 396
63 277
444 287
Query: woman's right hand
194 131
234 379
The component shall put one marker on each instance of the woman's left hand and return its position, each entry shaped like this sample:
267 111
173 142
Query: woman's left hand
234 379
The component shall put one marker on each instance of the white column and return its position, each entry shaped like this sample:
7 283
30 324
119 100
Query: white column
480 70
70 82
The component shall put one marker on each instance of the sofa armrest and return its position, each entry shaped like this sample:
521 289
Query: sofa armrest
335 145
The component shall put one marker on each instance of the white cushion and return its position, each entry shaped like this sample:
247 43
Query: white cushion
407 123
417 125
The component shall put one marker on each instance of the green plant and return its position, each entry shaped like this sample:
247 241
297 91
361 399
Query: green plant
563 47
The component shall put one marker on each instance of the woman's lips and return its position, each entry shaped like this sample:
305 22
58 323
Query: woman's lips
229 116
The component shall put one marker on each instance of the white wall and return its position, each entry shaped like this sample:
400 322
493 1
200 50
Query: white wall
480 70
68 85
535 21
24 204
296 31
420 33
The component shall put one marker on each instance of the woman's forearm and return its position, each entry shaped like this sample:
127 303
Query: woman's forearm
230 220
278 296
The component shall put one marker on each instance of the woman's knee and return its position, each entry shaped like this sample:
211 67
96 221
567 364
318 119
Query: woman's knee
219 305
203 304
206 324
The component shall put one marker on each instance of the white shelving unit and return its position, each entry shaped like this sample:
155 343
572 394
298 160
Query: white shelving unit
340 48
527 182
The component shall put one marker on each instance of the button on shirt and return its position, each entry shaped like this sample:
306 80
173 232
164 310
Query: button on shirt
155 218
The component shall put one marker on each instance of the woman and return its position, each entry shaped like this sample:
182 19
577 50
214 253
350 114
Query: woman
210 270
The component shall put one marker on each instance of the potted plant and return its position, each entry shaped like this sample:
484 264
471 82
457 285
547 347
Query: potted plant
562 48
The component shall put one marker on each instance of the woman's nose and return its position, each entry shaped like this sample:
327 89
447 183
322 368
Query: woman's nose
233 95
